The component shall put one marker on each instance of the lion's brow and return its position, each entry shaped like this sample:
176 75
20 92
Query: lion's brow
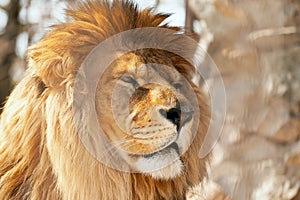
127 63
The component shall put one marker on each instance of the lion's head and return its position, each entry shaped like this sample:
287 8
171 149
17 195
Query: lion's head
152 110
149 121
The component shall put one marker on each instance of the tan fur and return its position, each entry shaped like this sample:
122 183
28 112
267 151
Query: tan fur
41 156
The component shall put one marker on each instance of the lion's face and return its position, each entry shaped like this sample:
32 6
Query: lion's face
152 112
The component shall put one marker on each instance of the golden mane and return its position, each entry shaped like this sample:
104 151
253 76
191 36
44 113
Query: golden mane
41 156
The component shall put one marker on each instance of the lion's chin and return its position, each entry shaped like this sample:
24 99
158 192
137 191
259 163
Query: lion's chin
163 165
169 172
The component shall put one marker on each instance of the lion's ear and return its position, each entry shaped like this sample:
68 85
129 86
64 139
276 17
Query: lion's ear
52 62
47 68
58 56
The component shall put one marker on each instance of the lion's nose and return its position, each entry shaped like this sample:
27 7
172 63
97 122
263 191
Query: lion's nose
173 115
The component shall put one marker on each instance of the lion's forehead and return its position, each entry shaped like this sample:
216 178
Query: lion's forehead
145 67
125 64
152 95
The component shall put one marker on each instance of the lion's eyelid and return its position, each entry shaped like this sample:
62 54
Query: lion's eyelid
131 80
177 85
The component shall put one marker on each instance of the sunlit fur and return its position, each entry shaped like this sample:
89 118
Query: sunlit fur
41 156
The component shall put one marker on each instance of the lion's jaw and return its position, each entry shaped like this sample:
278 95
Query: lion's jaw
156 121
166 162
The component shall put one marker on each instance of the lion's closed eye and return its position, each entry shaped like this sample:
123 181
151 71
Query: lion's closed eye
177 85
129 79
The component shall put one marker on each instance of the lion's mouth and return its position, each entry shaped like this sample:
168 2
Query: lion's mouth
185 119
173 145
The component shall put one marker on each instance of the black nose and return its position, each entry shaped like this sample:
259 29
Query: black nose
173 115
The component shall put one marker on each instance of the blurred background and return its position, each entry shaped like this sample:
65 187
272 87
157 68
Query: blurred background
256 46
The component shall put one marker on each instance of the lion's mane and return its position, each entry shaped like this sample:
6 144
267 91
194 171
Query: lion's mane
41 156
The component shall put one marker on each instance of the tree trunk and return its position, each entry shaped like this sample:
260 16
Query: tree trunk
7 49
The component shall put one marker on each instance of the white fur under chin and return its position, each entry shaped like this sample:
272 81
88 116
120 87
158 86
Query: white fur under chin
169 172
163 165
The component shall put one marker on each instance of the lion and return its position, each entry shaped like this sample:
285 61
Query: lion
42 153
